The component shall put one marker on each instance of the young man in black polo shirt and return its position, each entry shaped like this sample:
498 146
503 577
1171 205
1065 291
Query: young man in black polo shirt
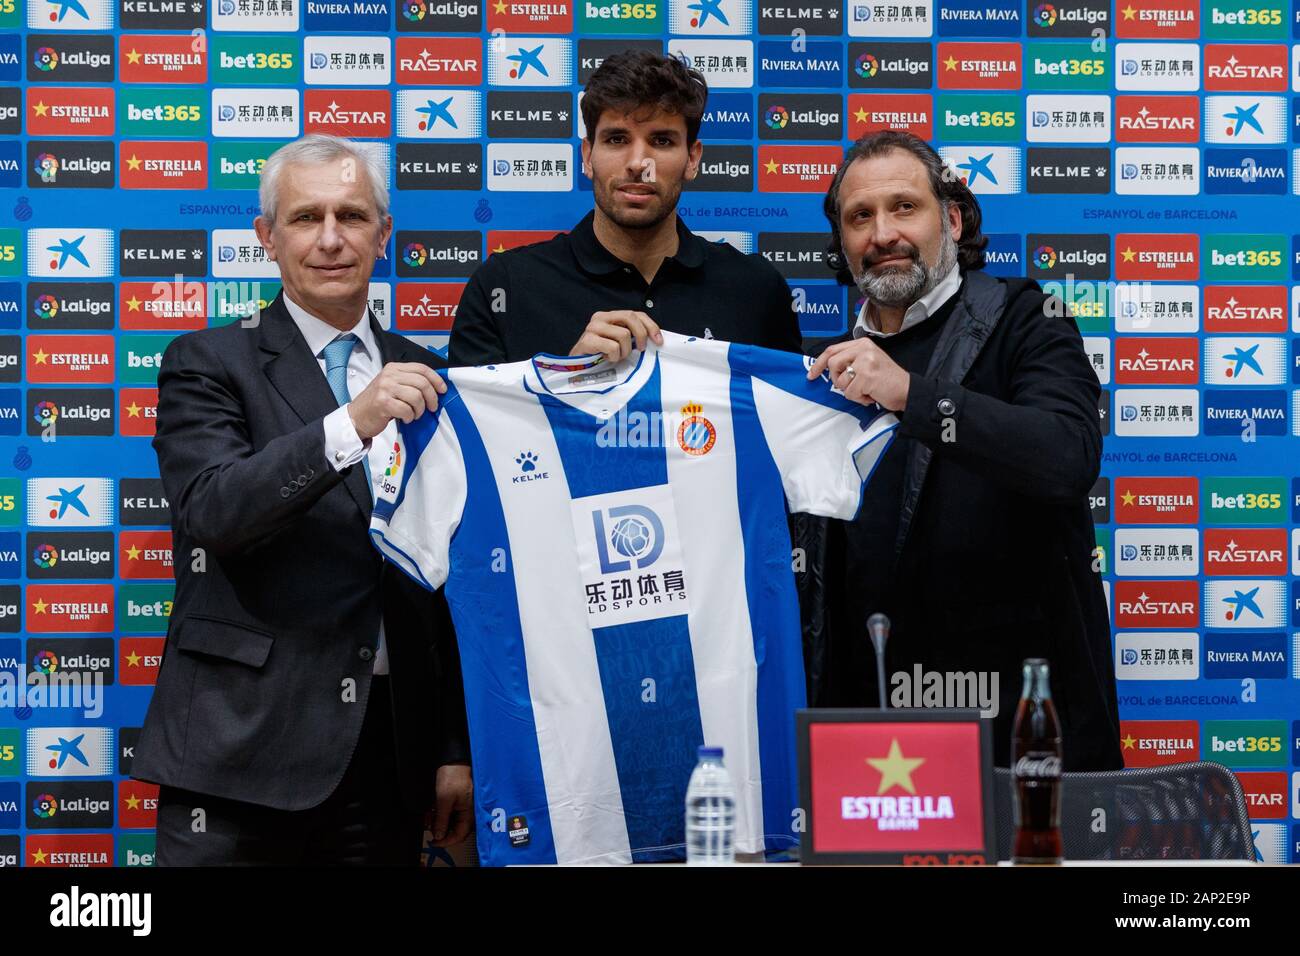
631 265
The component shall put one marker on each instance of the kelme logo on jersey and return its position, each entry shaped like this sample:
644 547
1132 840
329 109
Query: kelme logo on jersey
1162 604
908 112
987 170
1158 19
68 58
1230 257
800 116
1067 66
439 16
1230 360
1249 309
979 66
1244 20
991 118
531 61
816 18
1246 412
867 19
1244 743
1244 501
1164 67
890 65
979 18
1243 551
76 164
1067 18
729 64
620 17
1157 119
1245 604
1157 743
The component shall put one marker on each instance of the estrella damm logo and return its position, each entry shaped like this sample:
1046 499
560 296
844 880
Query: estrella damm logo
237 164
989 118
11 252
1067 66
164 112
1244 743
1244 20
255 60
1228 257
606 16
1244 501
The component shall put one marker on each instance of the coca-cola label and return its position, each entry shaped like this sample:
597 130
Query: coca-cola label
1041 766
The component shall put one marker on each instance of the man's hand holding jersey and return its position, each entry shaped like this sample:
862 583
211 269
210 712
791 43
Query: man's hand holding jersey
864 373
402 390
612 334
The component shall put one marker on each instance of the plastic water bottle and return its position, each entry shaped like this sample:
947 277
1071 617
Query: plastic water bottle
710 812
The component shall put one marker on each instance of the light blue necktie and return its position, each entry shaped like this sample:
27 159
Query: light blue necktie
336 356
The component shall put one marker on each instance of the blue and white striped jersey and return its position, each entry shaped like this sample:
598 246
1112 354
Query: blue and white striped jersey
614 544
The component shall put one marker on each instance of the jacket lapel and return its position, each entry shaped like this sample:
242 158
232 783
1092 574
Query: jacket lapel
296 375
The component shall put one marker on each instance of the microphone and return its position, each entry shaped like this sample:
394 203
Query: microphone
878 628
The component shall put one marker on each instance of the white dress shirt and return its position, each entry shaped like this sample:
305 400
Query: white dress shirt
918 311
343 447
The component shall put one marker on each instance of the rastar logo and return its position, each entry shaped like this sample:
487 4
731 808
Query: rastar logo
1157 257
439 61
979 66
797 169
162 306
1265 793
1244 308
1155 501
1244 551
139 659
527 16
1158 19
1157 743
69 608
162 59
1157 361
138 411
145 555
427 306
1168 605
70 359
163 165
356 113
1157 119
1240 67
499 240
908 112
69 111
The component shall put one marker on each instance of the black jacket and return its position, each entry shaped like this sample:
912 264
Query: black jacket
993 561
265 637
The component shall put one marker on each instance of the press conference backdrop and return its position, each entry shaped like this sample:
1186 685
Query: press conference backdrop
1138 158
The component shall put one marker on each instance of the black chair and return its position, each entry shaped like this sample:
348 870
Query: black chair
1186 811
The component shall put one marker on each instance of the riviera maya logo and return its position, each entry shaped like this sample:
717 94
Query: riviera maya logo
45 806
1044 257
415 255
696 434
45 662
46 413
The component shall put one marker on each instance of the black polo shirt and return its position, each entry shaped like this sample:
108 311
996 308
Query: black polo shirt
539 298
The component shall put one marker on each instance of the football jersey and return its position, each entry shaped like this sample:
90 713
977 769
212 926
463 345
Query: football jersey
617 560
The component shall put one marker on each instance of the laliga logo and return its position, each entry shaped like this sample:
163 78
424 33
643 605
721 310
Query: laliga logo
47 166
46 413
778 117
46 59
45 806
1044 257
46 662
46 307
867 66
415 254
414 10
45 555
637 534
1045 15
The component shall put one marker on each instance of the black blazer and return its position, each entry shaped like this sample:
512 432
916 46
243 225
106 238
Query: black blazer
279 592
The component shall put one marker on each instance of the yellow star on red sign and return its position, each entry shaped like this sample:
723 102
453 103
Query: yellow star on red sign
133 56
39 607
38 856
1129 13
40 356
895 769
771 166
133 410
499 6
1128 254
1128 497
133 802
1129 741
40 108
133 304
133 162
860 115
133 552
132 660
950 63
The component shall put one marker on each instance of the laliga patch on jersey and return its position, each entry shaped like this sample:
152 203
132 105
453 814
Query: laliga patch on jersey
391 479
630 556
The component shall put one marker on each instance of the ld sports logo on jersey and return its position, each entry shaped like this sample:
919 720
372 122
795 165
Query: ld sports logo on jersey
629 556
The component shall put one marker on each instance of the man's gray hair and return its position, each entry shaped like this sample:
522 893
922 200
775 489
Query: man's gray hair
314 150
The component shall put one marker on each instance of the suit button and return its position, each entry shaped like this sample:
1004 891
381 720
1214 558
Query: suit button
284 492
365 653
302 480
293 484
947 406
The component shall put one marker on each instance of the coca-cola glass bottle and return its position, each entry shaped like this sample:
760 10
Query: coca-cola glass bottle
1036 770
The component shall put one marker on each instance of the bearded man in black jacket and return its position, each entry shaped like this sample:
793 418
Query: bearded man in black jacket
975 535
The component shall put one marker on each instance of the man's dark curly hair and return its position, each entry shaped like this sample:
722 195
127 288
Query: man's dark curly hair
635 78
947 188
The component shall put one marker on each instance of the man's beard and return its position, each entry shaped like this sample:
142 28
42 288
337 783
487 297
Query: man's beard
638 219
899 287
